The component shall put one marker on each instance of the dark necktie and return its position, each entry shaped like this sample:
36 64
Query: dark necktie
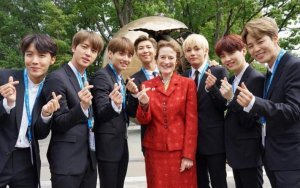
154 74
196 77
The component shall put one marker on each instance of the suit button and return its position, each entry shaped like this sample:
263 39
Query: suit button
164 109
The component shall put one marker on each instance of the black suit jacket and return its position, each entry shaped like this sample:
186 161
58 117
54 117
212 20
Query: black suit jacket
68 151
110 126
10 123
211 106
139 78
242 130
281 109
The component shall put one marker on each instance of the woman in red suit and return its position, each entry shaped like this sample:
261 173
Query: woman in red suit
168 106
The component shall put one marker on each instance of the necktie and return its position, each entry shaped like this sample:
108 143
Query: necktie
154 74
196 77
83 81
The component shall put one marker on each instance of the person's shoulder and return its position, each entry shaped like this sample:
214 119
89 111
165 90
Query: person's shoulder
137 74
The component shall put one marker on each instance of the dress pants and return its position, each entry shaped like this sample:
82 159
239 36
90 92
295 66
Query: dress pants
88 179
213 168
248 177
19 171
283 179
112 174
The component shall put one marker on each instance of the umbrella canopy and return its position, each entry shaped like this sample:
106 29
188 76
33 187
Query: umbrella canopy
154 26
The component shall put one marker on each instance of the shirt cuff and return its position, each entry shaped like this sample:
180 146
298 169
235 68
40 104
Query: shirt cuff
250 105
134 95
207 91
116 109
86 112
6 107
46 119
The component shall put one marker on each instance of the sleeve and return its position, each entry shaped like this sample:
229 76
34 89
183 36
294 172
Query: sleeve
288 108
65 118
214 92
191 123
102 106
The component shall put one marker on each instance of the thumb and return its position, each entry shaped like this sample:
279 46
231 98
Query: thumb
243 85
143 86
86 83
10 79
115 85
225 79
209 71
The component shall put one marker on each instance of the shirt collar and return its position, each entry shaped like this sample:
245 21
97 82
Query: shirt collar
200 69
239 76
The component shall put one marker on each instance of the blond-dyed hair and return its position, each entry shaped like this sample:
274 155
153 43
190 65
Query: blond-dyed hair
195 40
94 38
259 28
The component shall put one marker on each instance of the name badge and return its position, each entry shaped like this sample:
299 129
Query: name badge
92 140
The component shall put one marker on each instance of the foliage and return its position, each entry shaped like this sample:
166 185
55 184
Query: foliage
61 19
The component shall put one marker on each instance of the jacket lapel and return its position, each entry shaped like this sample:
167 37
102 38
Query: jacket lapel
72 77
278 74
20 98
159 86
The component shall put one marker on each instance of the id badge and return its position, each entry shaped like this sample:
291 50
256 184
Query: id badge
92 140
263 134
31 152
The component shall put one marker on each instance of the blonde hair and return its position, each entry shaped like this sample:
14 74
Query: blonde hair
259 28
195 40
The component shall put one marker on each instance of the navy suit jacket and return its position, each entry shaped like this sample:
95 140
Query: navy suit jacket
211 106
10 123
68 151
242 130
281 108
110 126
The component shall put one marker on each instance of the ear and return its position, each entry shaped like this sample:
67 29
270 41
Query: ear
244 51
73 49
276 38
53 60
110 54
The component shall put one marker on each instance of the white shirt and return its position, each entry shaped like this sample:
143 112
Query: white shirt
200 69
238 77
86 112
150 73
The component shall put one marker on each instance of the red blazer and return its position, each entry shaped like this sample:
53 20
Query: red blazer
171 116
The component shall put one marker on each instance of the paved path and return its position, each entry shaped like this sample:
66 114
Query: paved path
136 171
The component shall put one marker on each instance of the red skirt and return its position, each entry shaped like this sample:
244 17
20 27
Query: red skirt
163 170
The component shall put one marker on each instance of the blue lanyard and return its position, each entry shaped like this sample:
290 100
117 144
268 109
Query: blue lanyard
201 75
268 83
81 84
79 78
26 99
119 79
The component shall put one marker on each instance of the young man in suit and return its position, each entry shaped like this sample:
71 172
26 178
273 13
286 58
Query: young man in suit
210 157
24 114
242 131
145 49
109 104
71 152
279 108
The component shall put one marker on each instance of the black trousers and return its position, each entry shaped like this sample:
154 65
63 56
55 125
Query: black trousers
19 171
211 168
283 179
88 179
248 177
112 174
